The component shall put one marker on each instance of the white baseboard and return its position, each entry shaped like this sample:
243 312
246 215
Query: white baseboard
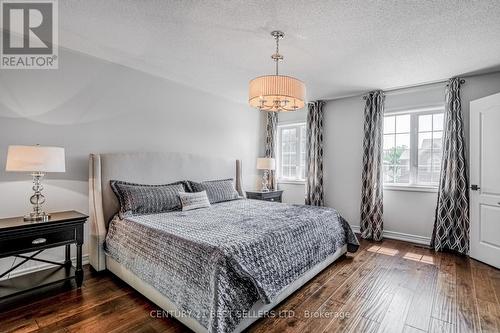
400 236
42 266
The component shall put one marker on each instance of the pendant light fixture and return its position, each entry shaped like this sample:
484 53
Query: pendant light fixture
277 93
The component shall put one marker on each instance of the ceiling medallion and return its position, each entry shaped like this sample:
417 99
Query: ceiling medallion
277 93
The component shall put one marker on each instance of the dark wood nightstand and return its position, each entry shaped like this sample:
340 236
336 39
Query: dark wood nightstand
267 196
18 237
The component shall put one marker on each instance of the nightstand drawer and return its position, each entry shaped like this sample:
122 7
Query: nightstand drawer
273 196
35 241
270 195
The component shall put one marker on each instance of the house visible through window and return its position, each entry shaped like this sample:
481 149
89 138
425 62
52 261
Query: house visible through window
413 148
291 154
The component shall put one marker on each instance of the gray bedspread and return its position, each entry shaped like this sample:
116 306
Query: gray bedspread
215 263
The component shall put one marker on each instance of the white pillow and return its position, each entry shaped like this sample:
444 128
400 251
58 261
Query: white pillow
190 201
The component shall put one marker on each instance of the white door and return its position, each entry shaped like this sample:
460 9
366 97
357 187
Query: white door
485 179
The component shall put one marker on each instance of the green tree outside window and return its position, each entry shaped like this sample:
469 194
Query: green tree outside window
392 158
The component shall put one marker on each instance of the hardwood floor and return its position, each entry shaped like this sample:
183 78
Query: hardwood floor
390 286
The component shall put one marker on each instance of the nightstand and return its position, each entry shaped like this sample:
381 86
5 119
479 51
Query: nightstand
266 196
18 237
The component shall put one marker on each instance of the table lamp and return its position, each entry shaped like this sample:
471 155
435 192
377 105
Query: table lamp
36 160
266 164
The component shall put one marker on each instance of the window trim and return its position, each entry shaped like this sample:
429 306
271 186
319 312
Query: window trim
411 188
414 131
291 182
428 109
279 179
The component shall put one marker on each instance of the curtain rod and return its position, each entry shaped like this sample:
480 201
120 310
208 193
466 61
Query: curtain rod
462 81
463 76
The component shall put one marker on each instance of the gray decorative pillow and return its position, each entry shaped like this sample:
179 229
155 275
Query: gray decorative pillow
217 190
190 201
139 199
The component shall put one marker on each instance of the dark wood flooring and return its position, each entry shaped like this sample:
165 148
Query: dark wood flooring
390 286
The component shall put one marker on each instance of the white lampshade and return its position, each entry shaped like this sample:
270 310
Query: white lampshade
266 163
277 93
35 159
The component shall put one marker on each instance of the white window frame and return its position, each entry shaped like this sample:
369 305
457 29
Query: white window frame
280 179
413 185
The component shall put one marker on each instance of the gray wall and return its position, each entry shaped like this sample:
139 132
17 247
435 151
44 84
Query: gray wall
405 212
91 105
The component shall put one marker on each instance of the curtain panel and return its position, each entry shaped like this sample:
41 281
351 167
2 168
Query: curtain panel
314 154
451 225
372 207
270 145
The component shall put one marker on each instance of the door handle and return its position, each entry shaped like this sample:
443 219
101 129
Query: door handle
474 187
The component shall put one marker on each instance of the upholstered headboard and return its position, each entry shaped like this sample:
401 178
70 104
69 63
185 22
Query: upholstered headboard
144 168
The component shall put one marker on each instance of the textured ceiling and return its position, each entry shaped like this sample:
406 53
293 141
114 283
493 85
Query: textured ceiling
338 48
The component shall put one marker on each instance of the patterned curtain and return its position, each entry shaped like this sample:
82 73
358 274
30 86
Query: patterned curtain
314 154
451 225
270 147
372 208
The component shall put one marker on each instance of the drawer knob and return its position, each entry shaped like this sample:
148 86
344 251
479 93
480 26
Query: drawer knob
39 241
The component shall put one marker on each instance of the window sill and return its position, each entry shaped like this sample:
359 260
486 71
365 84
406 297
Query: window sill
292 182
411 188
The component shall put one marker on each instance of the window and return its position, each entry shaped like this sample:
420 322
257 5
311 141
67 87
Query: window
291 155
413 148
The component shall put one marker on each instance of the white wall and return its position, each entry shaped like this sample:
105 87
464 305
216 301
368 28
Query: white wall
91 105
343 139
405 212
293 192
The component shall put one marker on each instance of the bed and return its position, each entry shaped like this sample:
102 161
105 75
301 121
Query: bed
216 269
